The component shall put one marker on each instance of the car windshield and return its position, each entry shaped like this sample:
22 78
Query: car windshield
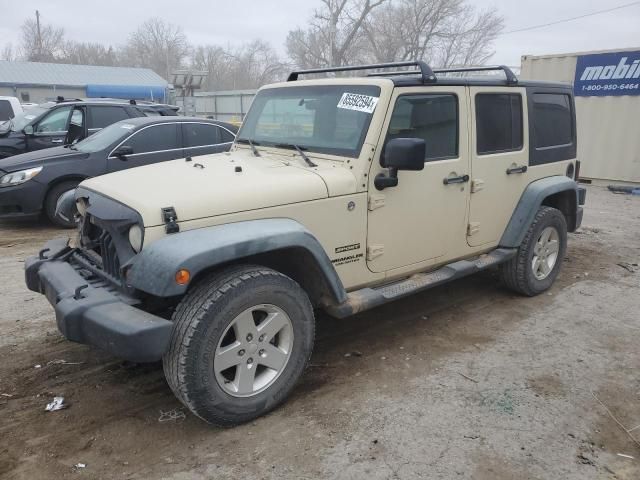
331 119
23 119
105 137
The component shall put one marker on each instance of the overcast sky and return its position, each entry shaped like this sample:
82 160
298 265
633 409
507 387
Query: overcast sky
223 22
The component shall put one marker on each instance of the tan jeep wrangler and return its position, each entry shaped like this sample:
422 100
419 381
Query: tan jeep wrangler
339 194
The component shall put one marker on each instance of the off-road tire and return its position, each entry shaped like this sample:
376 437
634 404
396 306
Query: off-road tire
51 201
202 317
517 274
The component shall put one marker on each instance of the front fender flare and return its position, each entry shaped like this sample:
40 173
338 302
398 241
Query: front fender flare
529 203
153 270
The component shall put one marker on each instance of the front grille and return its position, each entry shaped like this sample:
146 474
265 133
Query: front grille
99 253
110 261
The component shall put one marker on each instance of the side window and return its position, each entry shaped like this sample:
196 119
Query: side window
154 138
432 117
227 136
498 122
77 117
552 120
6 111
56 121
200 134
103 116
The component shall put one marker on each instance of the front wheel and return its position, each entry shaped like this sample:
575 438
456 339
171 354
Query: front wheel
537 263
51 203
241 340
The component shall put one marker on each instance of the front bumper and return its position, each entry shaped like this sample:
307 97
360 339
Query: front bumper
90 311
24 200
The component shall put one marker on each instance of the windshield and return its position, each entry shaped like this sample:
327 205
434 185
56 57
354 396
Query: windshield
25 118
105 137
331 119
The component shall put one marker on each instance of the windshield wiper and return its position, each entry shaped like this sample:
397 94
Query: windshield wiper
302 154
251 144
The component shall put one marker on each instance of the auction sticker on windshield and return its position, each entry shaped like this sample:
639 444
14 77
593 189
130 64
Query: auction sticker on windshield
356 101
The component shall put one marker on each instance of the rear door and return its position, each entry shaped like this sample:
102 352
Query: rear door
201 139
499 160
100 116
151 144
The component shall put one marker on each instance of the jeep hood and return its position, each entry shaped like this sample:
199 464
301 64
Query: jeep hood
217 184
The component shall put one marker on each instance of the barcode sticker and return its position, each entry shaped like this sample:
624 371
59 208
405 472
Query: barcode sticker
356 101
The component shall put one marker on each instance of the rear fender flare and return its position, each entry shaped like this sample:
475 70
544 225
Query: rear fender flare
530 201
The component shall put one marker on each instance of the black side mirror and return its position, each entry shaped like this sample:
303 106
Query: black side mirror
122 151
400 154
28 130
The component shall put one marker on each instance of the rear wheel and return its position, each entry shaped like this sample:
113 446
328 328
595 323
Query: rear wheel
241 340
51 202
537 263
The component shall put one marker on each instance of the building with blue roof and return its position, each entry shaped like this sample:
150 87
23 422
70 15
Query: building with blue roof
39 82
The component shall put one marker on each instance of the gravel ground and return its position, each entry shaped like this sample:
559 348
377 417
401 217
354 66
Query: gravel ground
465 381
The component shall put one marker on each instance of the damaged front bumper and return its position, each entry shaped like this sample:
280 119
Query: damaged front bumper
91 311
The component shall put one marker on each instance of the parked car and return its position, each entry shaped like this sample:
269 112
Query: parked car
33 182
53 124
338 195
9 108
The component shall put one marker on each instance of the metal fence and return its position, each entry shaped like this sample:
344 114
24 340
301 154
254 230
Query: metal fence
228 106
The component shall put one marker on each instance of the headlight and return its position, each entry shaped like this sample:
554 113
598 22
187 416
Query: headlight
135 238
16 178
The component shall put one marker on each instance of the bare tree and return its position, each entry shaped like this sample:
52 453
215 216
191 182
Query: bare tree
41 43
80 53
470 40
8 53
158 45
250 65
443 32
334 36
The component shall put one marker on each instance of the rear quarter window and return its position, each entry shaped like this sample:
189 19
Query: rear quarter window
552 128
552 120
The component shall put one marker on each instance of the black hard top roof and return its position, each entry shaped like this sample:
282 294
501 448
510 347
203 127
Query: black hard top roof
485 81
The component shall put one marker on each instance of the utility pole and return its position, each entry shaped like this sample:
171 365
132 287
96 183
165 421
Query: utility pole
39 36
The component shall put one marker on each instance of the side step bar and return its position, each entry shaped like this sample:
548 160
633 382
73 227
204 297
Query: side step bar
367 298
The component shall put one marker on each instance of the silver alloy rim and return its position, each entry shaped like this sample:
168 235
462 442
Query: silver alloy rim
253 350
545 253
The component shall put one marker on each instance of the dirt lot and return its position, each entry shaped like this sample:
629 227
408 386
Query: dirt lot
465 381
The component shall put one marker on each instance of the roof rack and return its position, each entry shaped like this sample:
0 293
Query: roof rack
61 99
423 69
508 73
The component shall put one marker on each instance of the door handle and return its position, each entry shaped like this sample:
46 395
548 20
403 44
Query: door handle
56 140
460 179
516 169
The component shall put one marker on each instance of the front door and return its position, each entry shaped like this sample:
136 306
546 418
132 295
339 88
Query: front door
499 162
51 130
422 218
